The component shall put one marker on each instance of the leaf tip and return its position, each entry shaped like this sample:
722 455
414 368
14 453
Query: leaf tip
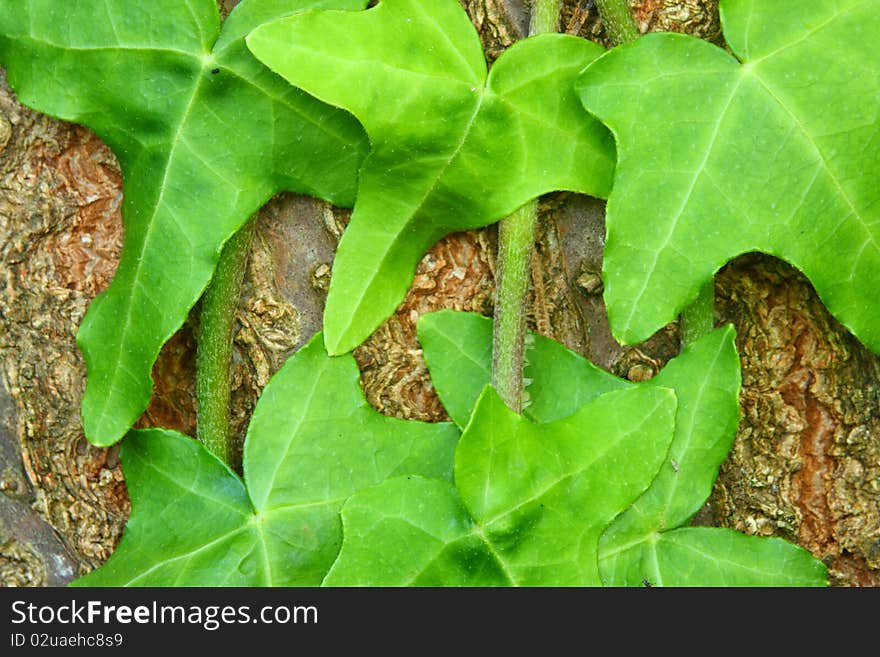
101 430
333 344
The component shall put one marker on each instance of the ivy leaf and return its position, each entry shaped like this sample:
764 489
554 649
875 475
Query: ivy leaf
650 540
711 556
312 442
204 134
528 504
705 376
452 148
457 347
773 149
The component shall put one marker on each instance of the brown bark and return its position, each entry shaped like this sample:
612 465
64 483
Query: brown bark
59 237
805 465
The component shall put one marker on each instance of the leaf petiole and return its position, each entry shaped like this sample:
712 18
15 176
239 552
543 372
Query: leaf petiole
618 19
544 16
214 348
516 237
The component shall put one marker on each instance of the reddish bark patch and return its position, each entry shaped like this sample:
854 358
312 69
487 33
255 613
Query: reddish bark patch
173 404
455 274
695 17
86 252
806 461
810 482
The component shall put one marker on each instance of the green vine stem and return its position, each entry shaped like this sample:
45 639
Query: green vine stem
618 20
698 318
214 349
516 238
544 16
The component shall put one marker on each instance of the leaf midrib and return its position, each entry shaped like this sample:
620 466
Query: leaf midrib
177 140
438 29
690 547
823 160
692 408
167 476
184 555
113 48
442 545
305 401
636 302
391 245
580 469
128 301
286 103
818 28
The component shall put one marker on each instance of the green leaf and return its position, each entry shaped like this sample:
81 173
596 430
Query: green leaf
457 347
706 379
712 556
413 532
528 504
771 149
205 135
313 441
453 148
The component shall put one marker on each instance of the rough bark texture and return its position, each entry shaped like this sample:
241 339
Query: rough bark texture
60 235
805 465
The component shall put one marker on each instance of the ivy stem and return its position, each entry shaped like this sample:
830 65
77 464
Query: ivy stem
697 319
618 20
516 238
214 348
544 16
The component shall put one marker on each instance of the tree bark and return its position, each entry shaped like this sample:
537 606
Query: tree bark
805 464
